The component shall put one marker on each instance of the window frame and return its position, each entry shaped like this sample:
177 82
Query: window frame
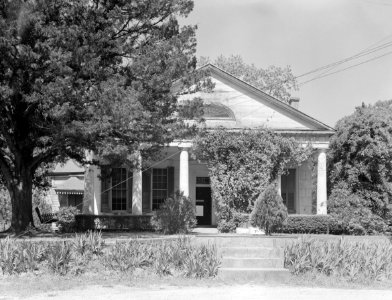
152 187
126 191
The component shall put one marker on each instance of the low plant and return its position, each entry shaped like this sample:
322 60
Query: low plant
269 210
19 257
353 260
202 261
66 218
90 242
176 215
126 256
59 257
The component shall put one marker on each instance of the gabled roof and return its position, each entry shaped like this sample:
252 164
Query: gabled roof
262 96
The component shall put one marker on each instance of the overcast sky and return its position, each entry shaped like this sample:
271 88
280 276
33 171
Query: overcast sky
306 34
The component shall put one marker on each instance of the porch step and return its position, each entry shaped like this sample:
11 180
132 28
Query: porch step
251 263
223 241
254 274
249 252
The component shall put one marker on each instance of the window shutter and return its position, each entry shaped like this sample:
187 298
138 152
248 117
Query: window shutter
129 191
146 189
170 181
105 185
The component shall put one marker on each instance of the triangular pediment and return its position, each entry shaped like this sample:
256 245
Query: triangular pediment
247 107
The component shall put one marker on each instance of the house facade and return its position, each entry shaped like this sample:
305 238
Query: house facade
234 105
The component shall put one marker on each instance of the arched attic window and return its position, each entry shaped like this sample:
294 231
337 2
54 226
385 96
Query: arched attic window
217 111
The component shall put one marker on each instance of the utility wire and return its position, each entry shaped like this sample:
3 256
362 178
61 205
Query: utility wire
356 56
341 70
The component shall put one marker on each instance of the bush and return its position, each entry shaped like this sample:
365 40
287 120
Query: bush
312 224
355 260
66 218
353 214
176 215
269 210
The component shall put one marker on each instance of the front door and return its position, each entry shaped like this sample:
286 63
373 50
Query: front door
288 190
203 205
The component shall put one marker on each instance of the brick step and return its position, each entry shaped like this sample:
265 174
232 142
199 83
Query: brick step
249 252
251 263
254 275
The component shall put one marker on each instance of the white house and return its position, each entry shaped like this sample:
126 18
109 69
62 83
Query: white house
233 104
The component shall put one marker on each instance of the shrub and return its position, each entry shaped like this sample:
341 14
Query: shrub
269 210
176 215
314 224
201 261
352 212
355 260
66 218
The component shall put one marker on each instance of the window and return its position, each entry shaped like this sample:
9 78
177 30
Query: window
217 111
202 180
119 189
159 187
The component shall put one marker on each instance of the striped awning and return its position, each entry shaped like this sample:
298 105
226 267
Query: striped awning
73 185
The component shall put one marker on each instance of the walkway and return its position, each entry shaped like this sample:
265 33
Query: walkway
215 293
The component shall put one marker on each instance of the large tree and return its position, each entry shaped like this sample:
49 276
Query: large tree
79 75
275 81
360 159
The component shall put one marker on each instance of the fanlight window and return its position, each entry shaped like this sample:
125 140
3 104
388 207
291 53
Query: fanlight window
217 111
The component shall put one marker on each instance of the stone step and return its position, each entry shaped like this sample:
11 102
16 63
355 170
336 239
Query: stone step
249 252
251 263
254 275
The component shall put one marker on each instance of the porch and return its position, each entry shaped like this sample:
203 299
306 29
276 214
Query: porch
139 192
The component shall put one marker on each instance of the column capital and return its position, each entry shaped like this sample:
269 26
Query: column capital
185 145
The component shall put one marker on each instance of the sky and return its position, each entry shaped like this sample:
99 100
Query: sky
306 34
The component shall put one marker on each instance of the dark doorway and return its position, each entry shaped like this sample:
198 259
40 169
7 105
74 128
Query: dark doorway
288 190
203 205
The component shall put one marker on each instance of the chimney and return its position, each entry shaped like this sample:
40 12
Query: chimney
294 102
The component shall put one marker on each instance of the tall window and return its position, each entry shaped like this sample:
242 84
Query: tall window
119 189
159 187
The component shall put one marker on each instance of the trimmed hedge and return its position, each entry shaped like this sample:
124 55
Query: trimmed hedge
114 222
316 224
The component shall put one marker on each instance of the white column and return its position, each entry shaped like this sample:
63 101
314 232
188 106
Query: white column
322 183
92 187
97 190
184 171
137 194
279 185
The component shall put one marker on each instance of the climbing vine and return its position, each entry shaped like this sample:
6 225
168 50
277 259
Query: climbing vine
242 164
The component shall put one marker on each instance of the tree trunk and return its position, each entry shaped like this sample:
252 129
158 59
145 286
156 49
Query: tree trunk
21 199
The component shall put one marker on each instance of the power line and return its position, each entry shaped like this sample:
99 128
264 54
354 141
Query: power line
358 55
349 67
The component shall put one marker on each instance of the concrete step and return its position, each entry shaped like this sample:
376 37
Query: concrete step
237 241
249 252
251 263
254 275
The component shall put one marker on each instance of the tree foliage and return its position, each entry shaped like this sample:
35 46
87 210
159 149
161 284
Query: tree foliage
275 81
242 164
82 75
361 157
269 210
